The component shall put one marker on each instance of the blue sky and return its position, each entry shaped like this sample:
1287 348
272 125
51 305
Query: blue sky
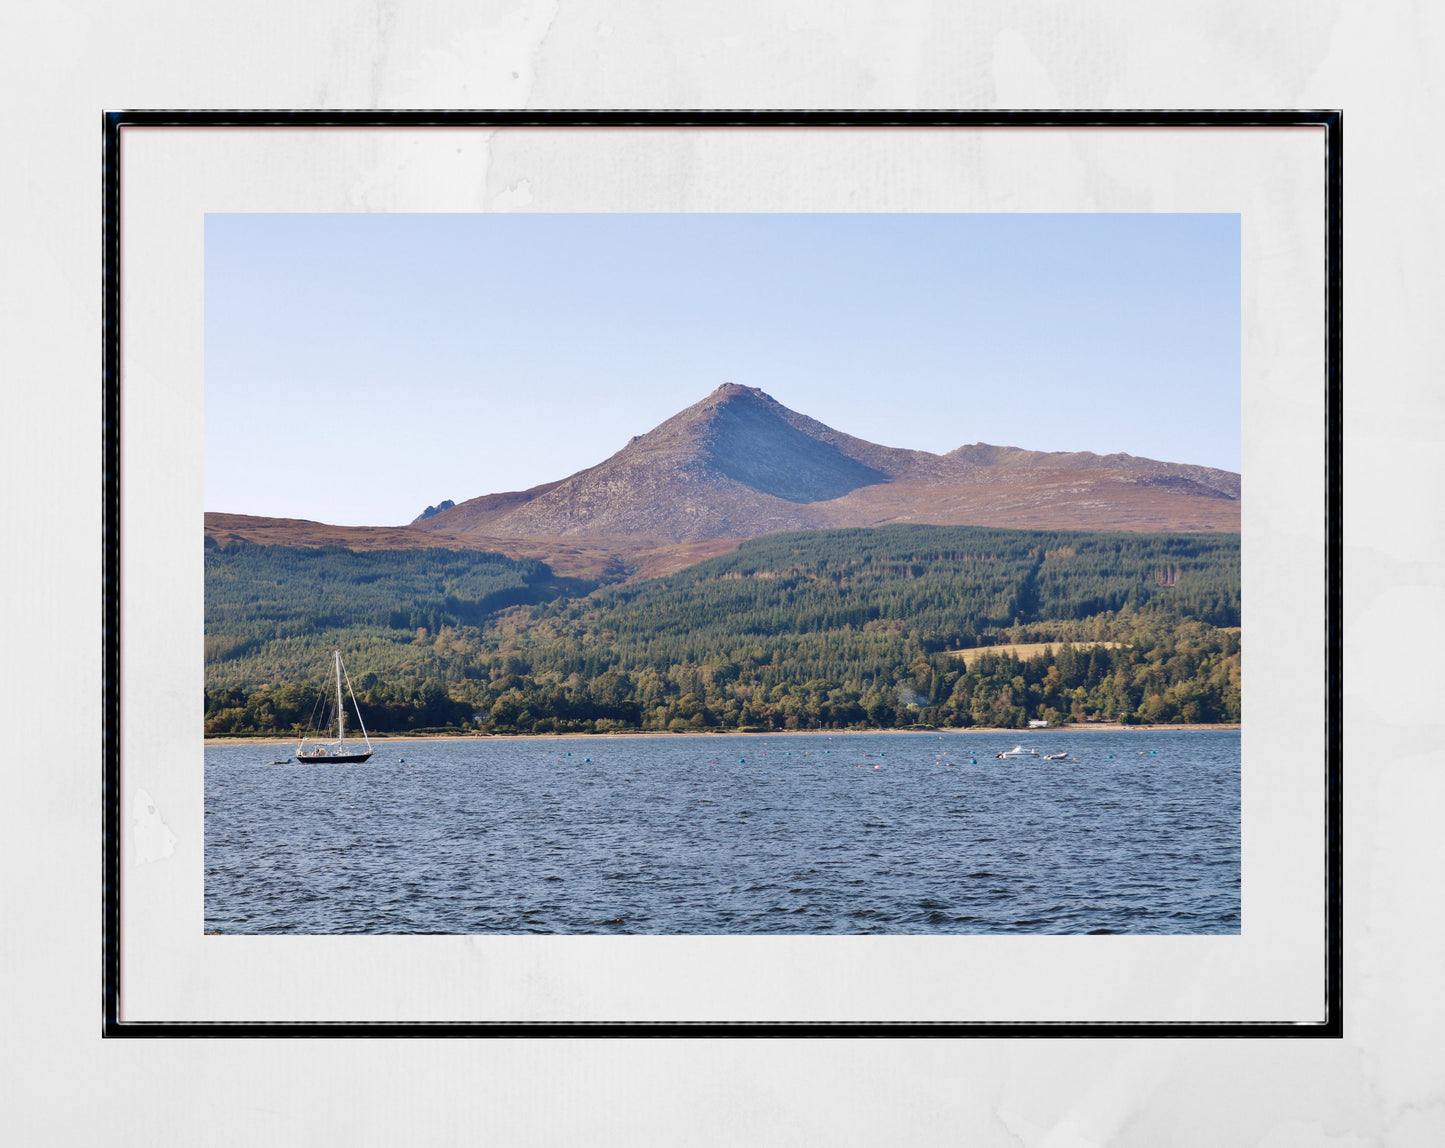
360 367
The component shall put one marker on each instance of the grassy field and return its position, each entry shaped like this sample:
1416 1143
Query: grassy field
1023 650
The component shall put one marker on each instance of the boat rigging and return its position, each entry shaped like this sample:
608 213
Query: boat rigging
323 750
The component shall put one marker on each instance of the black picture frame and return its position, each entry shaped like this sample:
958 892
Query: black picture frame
113 122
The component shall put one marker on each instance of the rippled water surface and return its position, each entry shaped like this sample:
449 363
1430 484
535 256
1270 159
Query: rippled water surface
854 833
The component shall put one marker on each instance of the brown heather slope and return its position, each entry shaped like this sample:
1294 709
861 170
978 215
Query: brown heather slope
603 559
739 464
476 514
1041 498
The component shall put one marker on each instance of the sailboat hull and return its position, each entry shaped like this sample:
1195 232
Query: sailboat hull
332 758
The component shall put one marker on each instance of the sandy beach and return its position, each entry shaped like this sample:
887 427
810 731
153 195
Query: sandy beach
402 739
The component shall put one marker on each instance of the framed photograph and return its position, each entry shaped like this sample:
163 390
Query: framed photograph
707 573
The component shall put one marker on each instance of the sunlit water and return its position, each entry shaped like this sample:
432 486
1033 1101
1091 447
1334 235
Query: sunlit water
854 833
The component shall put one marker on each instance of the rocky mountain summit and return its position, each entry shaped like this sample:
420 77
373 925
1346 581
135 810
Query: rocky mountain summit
444 504
739 464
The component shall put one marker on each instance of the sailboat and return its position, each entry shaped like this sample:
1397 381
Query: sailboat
336 752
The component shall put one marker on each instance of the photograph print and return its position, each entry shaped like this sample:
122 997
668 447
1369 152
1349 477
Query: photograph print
710 574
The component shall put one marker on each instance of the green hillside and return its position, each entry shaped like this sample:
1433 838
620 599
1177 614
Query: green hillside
819 629
273 613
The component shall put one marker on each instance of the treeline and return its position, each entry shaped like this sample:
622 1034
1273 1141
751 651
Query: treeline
835 629
1188 673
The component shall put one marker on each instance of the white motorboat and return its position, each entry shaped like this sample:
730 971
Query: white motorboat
1020 751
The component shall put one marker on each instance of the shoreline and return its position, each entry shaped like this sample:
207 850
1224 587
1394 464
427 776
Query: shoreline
1022 734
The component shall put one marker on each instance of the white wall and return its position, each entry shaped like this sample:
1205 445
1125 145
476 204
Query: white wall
59 1083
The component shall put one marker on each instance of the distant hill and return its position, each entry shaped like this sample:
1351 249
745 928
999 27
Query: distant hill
739 464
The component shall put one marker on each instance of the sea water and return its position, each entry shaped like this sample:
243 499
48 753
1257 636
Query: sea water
1136 832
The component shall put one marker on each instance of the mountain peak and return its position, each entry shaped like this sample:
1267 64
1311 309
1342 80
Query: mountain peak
738 463
729 396
737 390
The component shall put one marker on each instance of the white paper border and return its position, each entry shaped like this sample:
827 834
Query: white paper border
1273 972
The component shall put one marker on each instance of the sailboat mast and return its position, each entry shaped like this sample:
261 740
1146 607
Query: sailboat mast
340 709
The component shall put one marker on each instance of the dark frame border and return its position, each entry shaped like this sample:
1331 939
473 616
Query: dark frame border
1331 121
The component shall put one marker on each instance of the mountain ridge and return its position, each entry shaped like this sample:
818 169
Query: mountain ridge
738 464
